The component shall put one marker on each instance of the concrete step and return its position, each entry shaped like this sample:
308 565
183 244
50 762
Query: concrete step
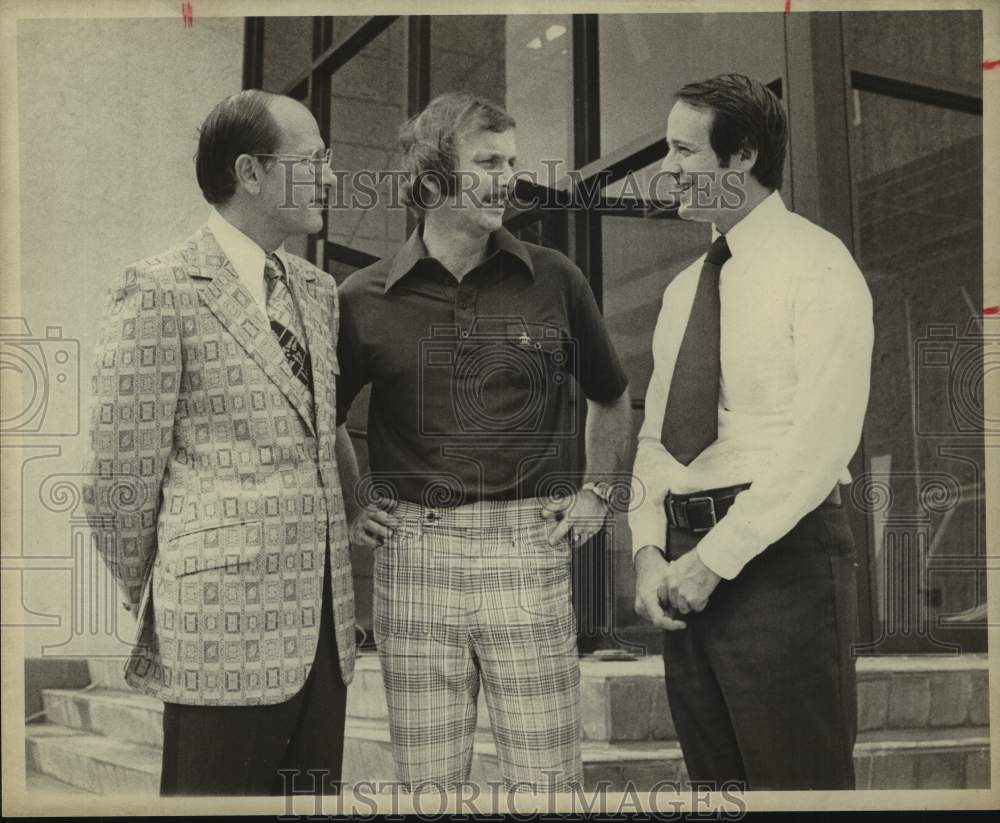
96 764
127 716
924 759
882 760
620 701
627 701
923 723
923 692
368 756
38 783
108 673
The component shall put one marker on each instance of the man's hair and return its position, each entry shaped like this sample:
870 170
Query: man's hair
428 141
746 115
240 124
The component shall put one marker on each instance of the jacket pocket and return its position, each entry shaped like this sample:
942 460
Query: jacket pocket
232 547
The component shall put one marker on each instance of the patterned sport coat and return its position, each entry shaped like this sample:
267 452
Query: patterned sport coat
213 485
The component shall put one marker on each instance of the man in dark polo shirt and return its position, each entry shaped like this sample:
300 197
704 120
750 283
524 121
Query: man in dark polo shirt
478 348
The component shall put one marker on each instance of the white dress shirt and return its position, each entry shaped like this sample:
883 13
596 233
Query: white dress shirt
796 345
245 255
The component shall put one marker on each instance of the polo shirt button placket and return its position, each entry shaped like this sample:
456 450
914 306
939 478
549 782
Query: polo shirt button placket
464 311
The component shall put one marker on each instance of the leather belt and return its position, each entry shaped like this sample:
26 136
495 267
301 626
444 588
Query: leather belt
699 512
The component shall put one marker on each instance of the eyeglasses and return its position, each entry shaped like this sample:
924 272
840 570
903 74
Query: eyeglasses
315 162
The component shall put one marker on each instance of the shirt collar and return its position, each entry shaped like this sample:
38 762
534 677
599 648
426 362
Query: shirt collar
414 251
245 255
755 226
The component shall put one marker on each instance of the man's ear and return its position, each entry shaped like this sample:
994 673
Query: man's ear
247 171
745 157
429 183
426 191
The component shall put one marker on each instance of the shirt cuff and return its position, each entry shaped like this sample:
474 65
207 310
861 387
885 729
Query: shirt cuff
719 561
648 530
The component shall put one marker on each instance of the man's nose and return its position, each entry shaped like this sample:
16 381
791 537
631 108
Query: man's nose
504 178
670 164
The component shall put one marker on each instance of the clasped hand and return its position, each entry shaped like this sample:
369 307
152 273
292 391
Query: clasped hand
664 589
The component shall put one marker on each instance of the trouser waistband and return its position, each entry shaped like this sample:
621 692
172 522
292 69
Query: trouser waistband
484 514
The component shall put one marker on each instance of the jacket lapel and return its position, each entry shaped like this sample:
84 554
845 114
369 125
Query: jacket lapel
226 297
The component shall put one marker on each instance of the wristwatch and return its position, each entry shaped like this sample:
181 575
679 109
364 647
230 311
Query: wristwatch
602 489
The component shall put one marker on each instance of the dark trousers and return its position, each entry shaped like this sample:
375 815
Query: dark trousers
239 750
761 683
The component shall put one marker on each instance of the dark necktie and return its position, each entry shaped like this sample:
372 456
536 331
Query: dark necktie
691 418
285 322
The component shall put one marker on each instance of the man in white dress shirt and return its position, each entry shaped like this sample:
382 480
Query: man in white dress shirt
742 550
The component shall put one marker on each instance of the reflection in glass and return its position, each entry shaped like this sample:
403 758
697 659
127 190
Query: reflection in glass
287 50
645 58
367 107
522 62
917 173
641 257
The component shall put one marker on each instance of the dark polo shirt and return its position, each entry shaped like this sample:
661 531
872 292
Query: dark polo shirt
475 385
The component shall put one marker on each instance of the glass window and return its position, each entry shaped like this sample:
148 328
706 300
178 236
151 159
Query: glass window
917 190
641 257
522 62
367 107
645 58
344 27
287 50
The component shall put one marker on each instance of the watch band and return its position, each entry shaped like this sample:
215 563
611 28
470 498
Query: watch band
601 489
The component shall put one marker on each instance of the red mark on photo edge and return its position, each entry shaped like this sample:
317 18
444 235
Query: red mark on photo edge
188 15
788 5
989 310
990 64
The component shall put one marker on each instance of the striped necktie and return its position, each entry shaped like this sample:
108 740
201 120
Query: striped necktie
285 321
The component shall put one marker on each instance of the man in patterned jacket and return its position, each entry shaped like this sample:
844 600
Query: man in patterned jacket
214 487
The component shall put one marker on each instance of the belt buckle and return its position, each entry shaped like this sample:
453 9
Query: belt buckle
711 512
675 515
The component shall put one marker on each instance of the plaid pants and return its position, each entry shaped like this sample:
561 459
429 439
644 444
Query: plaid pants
476 594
